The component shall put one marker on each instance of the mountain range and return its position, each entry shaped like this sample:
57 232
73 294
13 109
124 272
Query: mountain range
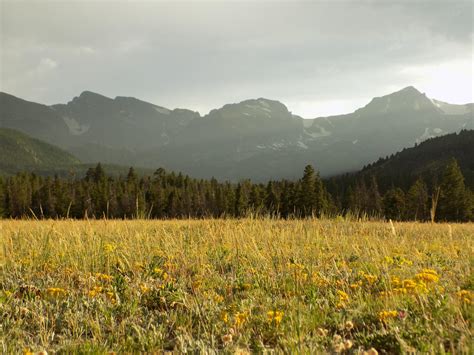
258 139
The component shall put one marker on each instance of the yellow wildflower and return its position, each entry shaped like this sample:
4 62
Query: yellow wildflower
225 317
343 297
395 281
144 288
56 292
240 319
318 279
356 285
218 298
400 290
370 278
111 297
275 316
103 277
427 275
322 332
409 284
246 286
95 291
196 284
109 247
465 296
384 316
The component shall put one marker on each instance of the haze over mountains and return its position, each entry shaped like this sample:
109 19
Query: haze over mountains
258 139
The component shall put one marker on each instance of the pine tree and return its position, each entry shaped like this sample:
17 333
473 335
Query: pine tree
453 204
255 200
308 199
132 176
271 199
374 200
394 203
417 201
239 201
99 173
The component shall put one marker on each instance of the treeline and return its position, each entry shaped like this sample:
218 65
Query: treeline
170 195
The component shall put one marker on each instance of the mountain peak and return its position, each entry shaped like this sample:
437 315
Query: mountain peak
92 96
408 90
406 99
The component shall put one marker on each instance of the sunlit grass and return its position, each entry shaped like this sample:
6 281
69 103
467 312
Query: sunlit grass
246 285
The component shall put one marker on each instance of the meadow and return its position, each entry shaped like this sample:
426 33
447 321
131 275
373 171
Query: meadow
236 286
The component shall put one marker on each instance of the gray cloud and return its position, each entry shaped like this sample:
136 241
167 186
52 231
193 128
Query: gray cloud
201 55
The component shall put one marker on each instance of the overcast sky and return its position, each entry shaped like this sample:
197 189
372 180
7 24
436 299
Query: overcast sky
318 58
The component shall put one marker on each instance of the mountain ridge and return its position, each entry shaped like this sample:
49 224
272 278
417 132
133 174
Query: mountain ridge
256 138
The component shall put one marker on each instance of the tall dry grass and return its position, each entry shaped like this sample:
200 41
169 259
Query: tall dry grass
235 285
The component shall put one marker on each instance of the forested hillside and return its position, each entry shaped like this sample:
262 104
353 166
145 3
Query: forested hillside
426 159
21 152
398 185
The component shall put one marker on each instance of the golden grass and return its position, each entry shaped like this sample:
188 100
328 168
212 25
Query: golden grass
235 285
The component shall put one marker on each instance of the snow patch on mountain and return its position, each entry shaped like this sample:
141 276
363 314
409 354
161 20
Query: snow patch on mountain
451 109
387 105
165 137
75 128
322 133
427 135
264 103
307 123
260 107
301 145
162 110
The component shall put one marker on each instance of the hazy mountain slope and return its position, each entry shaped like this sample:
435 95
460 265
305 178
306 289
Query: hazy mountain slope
227 141
387 124
19 152
39 121
427 159
258 139
107 128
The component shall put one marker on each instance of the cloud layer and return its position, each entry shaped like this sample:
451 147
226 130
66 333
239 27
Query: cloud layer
317 57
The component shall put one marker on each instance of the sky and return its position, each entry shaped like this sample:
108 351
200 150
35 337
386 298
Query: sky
318 57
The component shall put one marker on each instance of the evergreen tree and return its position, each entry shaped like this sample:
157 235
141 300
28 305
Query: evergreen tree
417 201
239 201
308 198
271 199
453 204
394 203
99 173
132 176
374 201
255 200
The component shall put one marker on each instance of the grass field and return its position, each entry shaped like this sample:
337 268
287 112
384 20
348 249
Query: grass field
236 286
